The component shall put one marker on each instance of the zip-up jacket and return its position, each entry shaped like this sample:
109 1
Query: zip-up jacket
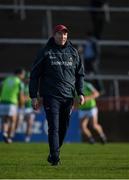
57 71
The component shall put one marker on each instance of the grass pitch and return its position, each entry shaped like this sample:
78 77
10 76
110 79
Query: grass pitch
20 160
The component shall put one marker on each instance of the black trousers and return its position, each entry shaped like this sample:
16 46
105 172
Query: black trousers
58 115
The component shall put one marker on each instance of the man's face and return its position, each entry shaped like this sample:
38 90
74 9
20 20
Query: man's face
61 37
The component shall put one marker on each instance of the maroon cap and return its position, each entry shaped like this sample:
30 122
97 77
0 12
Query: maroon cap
60 27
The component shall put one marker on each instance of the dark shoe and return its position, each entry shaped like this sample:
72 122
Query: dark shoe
103 140
49 159
56 163
53 162
91 140
5 138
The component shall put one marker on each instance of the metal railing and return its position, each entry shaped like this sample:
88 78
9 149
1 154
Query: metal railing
20 6
60 8
115 78
74 41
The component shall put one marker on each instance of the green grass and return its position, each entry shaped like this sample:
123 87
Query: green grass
20 160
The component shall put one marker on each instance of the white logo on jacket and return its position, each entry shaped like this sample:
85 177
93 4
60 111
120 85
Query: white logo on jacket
55 62
61 63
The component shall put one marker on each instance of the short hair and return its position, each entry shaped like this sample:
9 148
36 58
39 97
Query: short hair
19 70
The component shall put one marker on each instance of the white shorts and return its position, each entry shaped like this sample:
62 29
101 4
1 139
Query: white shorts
8 109
28 110
88 113
25 113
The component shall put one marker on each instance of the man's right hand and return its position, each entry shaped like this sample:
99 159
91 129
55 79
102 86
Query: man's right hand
36 103
81 99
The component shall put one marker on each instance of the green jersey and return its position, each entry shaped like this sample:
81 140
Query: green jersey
26 91
88 90
11 88
0 89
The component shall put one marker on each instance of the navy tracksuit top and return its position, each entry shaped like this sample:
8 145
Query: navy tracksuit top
57 71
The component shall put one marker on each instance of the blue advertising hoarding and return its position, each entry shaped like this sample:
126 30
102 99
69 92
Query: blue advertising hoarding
40 129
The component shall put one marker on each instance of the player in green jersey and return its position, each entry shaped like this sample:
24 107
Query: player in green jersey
29 114
88 113
11 96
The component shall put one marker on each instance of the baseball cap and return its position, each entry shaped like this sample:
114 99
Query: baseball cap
60 27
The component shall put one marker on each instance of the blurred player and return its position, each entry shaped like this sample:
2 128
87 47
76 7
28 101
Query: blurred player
99 17
11 94
88 113
29 114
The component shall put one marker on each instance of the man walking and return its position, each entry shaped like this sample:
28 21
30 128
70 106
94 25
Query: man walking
55 76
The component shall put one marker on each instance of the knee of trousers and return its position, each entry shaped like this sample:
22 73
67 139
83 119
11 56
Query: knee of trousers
53 131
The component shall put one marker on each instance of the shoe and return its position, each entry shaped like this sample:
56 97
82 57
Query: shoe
9 140
53 162
103 140
91 140
56 163
27 139
5 138
49 159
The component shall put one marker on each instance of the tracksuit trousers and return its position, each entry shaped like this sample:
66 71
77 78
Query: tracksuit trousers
58 115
